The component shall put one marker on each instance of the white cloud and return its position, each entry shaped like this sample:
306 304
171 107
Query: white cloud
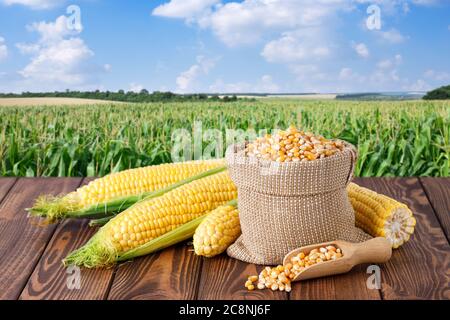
392 36
346 74
398 58
391 7
361 49
425 2
385 64
390 63
436 75
307 72
3 49
186 9
266 84
263 85
136 87
296 46
418 85
405 8
35 4
187 80
219 86
60 59
249 21
53 31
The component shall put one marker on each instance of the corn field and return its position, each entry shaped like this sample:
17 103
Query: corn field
393 138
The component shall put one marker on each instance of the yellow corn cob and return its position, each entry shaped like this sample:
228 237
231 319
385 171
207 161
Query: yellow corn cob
381 216
152 218
217 231
121 185
140 180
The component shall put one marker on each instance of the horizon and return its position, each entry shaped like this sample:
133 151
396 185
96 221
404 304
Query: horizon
225 93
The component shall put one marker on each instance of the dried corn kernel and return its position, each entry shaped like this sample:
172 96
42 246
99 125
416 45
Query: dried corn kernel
280 277
293 145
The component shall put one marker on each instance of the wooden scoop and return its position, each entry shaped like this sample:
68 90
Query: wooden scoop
377 250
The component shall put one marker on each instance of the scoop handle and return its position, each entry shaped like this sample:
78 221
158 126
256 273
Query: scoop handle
376 250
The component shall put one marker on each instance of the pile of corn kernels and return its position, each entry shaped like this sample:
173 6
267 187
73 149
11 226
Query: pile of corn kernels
293 145
280 277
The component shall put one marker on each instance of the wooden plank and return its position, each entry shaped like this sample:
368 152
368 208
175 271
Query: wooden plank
223 278
23 240
438 193
50 280
420 269
349 286
170 274
5 185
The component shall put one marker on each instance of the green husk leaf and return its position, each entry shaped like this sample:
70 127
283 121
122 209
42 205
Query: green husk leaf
100 222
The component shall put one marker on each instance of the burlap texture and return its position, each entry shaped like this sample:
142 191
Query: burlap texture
284 206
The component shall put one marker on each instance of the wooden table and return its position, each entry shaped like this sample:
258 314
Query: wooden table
30 255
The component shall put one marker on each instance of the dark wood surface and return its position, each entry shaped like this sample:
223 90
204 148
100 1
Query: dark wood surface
30 256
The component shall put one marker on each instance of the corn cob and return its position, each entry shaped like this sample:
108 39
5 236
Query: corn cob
117 191
381 216
150 219
218 231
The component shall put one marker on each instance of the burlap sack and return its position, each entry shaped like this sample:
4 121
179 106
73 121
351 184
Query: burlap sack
283 206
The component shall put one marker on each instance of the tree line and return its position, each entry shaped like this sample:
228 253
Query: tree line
121 95
442 93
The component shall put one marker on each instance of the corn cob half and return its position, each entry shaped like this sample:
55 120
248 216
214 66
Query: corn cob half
217 231
118 191
150 219
381 216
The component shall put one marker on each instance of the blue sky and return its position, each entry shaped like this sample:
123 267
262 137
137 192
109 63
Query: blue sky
225 46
